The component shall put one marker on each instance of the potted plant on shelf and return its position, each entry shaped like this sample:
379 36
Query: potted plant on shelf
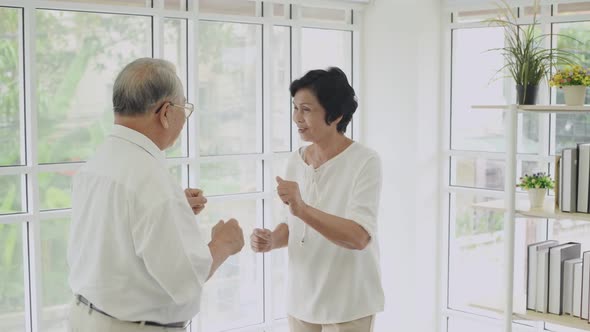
526 59
573 81
536 185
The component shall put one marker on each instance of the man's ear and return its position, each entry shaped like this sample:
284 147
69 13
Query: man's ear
163 116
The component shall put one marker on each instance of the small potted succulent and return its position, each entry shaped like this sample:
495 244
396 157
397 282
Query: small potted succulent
536 185
573 80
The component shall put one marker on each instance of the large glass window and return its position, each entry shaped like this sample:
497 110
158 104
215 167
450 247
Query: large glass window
571 129
12 295
58 93
55 190
57 295
12 194
228 7
482 130
10 88
78 57
175 51
323 48
229 88
231 177
132 3
477 166
468 325
324 14
487 173
476 255
281 79
473 129
234 296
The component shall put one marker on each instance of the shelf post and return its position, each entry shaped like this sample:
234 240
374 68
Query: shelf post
511 134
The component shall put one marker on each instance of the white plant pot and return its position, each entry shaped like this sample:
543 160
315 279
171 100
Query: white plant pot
537 197
575 95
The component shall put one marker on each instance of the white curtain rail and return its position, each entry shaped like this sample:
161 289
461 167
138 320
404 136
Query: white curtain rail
345 4
146 10
467 5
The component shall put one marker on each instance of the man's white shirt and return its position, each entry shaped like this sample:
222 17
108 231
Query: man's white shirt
135 250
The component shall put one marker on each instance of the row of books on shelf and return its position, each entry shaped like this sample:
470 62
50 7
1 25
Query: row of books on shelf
558 279
573 180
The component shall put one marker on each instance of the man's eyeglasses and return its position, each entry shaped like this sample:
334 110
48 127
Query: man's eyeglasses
188 108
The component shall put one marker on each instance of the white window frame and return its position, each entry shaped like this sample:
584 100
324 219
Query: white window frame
31 220
486 318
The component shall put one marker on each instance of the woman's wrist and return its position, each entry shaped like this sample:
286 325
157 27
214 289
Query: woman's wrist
300 210
279 237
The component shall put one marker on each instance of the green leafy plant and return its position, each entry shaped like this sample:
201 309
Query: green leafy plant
536 181
527 61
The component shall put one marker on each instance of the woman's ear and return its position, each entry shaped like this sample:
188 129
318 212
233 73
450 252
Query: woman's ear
163 116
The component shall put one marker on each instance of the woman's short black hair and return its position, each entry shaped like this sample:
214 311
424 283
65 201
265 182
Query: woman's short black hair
332 90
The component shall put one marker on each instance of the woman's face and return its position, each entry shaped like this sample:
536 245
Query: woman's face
309 117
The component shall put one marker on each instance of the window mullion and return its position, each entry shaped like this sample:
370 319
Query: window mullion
34 236
267 171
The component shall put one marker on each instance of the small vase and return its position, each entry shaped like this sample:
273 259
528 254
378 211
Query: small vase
526 96
537 197
575 95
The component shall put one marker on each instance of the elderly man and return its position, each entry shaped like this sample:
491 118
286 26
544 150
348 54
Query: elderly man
137 258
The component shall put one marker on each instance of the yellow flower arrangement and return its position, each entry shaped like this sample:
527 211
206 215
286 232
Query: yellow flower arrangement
576 75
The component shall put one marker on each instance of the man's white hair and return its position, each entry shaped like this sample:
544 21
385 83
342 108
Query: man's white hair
142 84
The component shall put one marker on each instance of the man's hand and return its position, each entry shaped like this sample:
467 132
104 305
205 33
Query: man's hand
289 193
195 199
261 240
228 237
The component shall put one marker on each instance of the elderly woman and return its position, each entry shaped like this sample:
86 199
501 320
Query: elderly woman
332 188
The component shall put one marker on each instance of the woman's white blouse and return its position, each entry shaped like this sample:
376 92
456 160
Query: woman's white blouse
328 283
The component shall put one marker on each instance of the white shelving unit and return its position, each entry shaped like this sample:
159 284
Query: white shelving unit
522 209
529 315
513 207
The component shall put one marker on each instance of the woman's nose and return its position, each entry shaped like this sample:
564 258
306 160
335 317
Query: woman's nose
297 117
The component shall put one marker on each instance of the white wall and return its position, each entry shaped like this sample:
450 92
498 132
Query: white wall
400 118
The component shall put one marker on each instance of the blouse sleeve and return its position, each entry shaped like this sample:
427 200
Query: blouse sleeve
364 202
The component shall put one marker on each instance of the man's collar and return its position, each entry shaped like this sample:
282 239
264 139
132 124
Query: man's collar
140 140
